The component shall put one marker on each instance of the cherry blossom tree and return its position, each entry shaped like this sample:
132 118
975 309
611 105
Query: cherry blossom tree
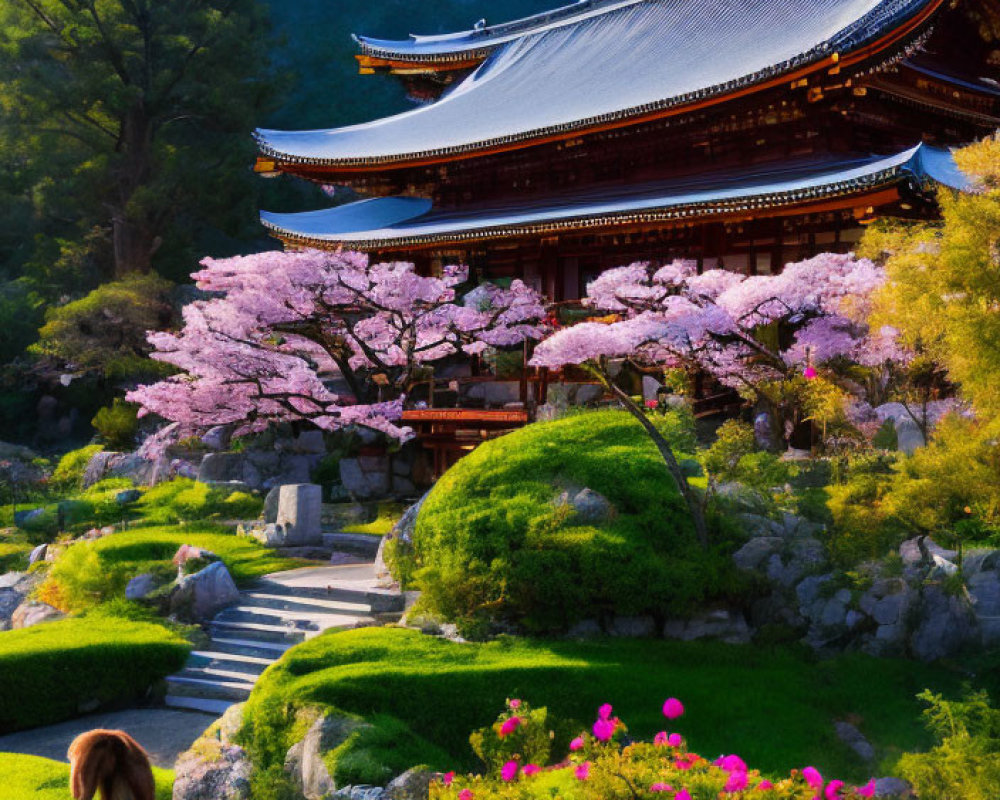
768 337
283 324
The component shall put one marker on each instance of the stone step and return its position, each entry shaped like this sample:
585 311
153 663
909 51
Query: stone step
197 704
234 645
232 662
211 688
270 617
332 592
257 632
361 544
305 604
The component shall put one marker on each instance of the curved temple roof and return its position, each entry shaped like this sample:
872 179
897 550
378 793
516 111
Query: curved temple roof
479 41
625 60
362 225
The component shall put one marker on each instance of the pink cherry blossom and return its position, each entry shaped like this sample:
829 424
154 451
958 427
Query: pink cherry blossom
673 708
582 771
531 769
509 771
576 744
813 778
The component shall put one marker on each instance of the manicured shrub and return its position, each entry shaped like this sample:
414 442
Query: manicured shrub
734 439
185 500
117 424
495 542
438 691
89 573
51 670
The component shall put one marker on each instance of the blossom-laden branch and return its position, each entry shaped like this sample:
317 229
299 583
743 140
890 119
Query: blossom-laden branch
284 325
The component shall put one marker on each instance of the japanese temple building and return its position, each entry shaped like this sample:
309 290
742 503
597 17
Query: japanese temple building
741 133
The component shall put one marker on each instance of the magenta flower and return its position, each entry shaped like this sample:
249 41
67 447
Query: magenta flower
651 404
681 764
661 739
515 704
809 373
604 729
683 794
509 771
448 778
604 712
737 782
675 740
465 794
731 763
673 708
813 778
576 744
833 790
764 785
868 790
582 771
509 726
531 769
661 787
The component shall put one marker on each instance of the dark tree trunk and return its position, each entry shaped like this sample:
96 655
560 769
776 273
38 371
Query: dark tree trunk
134 238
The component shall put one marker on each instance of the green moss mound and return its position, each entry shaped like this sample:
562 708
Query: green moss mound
773 706
493 542
51 671
33 778
93 572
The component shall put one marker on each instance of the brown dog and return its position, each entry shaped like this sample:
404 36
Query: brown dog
111 762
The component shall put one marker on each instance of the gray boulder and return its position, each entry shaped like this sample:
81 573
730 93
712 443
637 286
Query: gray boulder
300 507
140 586
217 438
755 552
633 627
200 596
215 768
591 506
38 554
127 497
271 504
908 436
895 788
855 739
32 613
984 592
304 760
366 479
946 625
414 784
14 590
722 624
585 629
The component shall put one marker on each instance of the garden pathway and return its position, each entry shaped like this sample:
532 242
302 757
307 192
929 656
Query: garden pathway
278 611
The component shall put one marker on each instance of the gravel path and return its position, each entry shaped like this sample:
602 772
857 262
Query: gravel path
165 733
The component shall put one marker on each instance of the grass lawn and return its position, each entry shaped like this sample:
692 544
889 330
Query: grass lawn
13 556
49 671
775 708
33 778
93 572
389 513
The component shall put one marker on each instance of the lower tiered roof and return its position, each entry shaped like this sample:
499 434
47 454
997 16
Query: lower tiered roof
405 222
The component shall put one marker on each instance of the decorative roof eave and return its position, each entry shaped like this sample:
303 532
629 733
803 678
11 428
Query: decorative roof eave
479 42
791 71
878 189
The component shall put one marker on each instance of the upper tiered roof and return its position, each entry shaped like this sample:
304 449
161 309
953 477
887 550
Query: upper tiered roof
612 64
387 223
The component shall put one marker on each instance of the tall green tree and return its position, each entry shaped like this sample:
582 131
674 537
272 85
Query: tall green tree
124 125
944 281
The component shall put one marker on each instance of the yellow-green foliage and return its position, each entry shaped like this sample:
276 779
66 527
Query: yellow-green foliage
944 282
183 500
965 764
117 424
33 778
99 658
69 471
93 572
13 555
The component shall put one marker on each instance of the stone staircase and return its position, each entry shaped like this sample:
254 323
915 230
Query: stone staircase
274 614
